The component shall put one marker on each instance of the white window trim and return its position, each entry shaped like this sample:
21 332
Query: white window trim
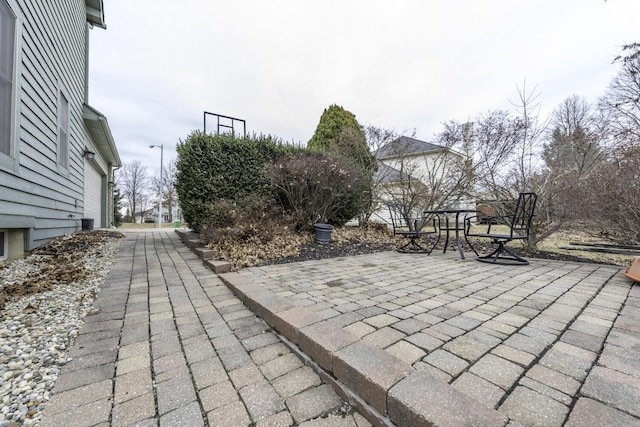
11 161
64 170
5 250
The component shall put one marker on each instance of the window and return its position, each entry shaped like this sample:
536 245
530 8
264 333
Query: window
63 131
7 59
3 245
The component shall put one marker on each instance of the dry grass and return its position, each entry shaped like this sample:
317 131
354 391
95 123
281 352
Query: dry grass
582 235
577 233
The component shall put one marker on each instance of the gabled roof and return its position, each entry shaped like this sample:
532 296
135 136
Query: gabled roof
404 146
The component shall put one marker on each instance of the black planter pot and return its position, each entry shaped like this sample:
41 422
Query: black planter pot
323 232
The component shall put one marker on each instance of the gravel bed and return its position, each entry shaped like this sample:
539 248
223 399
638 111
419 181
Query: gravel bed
37 328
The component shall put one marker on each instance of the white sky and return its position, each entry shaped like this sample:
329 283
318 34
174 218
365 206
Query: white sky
403 65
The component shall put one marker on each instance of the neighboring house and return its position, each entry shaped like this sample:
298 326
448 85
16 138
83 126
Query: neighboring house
411 157
409 168
151 215
147 215
57 153
175 214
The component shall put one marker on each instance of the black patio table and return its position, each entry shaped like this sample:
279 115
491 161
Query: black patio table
456 226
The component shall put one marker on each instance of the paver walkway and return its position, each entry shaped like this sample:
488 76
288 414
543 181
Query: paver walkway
171 346
408 339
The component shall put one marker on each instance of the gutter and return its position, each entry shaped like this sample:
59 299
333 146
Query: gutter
98 127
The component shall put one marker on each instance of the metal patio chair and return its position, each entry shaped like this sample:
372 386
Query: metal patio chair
412 227
504 229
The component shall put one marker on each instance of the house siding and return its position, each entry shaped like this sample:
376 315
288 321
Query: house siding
39 196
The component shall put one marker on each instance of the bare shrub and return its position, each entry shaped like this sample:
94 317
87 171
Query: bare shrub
615 189
316 188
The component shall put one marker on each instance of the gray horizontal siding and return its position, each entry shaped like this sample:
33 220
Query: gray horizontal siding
37 185
43 232
52 57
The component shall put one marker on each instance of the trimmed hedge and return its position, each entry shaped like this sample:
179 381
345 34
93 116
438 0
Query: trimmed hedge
211 168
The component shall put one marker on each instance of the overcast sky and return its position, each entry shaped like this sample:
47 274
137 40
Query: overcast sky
405 65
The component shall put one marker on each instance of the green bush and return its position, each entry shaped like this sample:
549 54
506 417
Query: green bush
252 208
211 168
338 133
333 122
316 188
223 213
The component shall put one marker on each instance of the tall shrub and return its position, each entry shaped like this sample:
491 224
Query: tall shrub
215 167
333 122
340 135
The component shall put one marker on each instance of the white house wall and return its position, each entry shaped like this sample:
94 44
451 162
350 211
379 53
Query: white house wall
419 166
427 167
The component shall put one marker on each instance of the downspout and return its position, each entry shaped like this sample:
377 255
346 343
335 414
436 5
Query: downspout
87 27
112 186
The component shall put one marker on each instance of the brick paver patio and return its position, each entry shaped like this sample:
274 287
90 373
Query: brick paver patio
407 339
545 344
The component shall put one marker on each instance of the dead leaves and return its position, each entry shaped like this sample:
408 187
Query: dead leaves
250 245
60 261
252 250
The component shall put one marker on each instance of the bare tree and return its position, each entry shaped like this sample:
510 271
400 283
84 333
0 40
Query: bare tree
616 190
376 137
631 52
622 100
134 185
422 175
144 204
619 177
532 128
572 152
169 194
402 181
488 145
576 144
465 161
501 152
448 171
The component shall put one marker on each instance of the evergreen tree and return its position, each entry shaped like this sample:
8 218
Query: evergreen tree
339 135
117 206
332 121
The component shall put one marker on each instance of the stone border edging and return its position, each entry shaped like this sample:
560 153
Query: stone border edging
397 394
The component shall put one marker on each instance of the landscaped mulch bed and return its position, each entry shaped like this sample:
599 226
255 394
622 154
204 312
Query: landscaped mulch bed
254 246
314 251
